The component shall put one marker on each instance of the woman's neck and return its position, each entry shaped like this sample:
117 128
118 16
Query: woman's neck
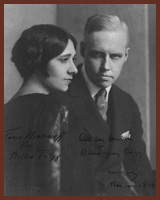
30 86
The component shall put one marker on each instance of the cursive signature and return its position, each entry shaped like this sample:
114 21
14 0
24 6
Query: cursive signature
111 138
134 153
125 173
142 185
40 154
32 135
11 134
85 137
84 152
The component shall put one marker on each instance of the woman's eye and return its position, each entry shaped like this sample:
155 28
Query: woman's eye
64 60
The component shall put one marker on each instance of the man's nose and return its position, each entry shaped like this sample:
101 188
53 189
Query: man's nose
106 63
72 68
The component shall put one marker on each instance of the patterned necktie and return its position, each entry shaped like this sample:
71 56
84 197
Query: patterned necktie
100 100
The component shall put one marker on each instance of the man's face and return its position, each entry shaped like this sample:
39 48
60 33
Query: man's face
104 54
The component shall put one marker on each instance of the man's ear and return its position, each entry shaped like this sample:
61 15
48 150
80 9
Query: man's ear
82 48
126 53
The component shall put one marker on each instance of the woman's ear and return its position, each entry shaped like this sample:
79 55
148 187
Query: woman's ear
82 49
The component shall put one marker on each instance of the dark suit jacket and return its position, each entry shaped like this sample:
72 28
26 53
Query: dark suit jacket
96 149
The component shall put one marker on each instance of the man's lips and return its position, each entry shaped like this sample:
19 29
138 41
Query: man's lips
102 76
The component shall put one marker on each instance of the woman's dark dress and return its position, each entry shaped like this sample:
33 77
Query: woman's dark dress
34 127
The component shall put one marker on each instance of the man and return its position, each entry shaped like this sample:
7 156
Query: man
107 154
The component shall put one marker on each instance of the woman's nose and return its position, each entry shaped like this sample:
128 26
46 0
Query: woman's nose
73 68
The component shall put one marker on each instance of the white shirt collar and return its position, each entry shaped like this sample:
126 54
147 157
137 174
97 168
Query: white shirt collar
92 87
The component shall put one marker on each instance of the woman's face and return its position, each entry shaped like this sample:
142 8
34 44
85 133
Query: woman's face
61 69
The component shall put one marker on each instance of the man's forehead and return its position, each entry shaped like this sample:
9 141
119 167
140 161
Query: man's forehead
101 37
105 32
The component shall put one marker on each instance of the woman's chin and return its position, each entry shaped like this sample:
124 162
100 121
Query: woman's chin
63 89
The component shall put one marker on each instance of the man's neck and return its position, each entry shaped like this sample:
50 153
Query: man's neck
93 89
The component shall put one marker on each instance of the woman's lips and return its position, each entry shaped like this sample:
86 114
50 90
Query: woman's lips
69 80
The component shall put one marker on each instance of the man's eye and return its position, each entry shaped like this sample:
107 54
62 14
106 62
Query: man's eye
74 59
115 56
96 54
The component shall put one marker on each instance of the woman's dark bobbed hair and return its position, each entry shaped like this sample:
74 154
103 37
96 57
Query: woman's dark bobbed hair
37 46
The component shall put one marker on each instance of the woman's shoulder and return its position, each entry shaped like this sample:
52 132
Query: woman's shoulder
38 112
34 105
34 99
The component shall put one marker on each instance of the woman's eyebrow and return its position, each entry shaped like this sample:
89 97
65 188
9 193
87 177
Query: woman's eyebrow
67 55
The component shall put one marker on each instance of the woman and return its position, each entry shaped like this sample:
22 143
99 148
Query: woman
35 122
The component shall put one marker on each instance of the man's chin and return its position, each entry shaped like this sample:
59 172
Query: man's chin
104 85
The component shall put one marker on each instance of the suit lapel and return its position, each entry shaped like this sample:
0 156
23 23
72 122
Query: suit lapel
86 110
120 112
115 123
93 124
114 112
119 123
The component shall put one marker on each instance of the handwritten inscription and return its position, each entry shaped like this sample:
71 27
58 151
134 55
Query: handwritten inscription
26 145
124 173
32 135
26 142
84 152
85 137
143 185
134 153
12 131
21 156
42 154
111 138
48 154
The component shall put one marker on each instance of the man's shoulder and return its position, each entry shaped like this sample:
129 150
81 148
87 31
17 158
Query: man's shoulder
120 91
122 95
123 101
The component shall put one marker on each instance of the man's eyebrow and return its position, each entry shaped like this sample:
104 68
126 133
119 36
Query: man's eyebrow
96 50
117 54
